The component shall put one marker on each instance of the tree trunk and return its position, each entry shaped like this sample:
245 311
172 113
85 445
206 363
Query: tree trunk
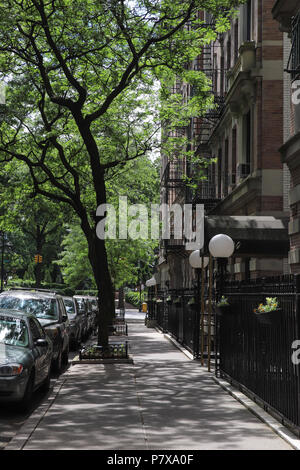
98 260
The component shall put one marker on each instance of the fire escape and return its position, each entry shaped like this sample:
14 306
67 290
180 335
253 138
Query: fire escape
174 191
179 175
293 66
203 126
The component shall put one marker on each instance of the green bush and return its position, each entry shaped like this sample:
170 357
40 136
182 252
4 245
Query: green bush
133 298
91 292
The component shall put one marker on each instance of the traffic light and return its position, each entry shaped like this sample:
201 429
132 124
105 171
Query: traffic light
38 258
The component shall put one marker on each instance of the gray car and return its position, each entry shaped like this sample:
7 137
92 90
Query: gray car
77 321
49 309
82 309
25 357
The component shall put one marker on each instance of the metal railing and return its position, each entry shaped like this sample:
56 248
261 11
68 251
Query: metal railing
174 314
258 357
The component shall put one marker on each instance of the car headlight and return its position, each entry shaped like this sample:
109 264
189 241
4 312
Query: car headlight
9 370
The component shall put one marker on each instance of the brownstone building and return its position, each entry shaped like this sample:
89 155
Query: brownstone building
287 13
242 136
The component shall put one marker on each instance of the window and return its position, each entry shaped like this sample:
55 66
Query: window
248 20
236 41
215 73
225 178
219 173
233 155
229 53
13 331
69 304
35 330
248 138
40 308
222 76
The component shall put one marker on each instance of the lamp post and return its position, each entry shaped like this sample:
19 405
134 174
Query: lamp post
150 283
199 263
221 246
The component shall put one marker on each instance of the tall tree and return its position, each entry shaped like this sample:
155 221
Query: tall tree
78 75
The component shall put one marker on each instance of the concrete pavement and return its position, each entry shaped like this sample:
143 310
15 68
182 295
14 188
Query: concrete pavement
162 401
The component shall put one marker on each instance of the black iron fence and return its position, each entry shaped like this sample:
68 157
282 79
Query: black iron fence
258 356
177 313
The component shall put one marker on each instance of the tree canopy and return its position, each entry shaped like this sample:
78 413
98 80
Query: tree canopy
81 99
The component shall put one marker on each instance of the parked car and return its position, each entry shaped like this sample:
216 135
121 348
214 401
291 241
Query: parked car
82 308
89 305
49 309
25 357
95 310
77 322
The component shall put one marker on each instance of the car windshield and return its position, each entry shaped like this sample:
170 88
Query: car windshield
13 331
41 308
70 308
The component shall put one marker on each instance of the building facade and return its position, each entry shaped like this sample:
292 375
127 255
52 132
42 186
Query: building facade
240 138
287 14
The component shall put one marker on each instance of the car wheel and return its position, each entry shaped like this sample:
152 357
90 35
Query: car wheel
46 384
57 363
65 356
26 400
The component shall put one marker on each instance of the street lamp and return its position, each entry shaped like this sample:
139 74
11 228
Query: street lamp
150 283
199 263
195 260
221 246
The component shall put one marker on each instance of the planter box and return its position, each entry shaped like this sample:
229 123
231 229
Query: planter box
77 360
268 318
115 350
118 329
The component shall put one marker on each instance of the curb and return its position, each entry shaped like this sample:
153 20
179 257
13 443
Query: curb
76 360
19 441
265 417
178 345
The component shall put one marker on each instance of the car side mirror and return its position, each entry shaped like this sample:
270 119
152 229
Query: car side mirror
65 318
41 343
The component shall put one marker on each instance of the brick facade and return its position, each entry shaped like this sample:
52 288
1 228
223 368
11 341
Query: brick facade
256 81
285 12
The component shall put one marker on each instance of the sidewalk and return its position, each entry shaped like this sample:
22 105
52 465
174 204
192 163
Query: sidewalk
162 401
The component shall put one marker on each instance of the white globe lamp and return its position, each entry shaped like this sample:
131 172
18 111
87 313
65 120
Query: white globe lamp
221 246
195 260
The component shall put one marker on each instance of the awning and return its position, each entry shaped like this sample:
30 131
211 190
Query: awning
254 236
